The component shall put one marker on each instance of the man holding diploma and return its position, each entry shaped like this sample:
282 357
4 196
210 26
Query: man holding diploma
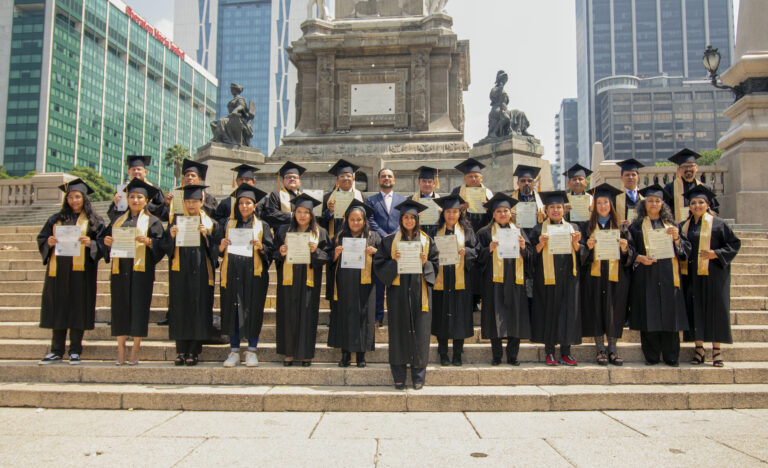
627 201
529 209
137 169
579 200
246 174
426 195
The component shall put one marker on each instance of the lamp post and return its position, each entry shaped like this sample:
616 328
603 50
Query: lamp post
711 61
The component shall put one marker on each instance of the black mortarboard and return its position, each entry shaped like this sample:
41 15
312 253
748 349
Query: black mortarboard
139 186
554 197
355 203
655 190
683 156
76 184
426 172
448 202
138 160
410 207
630 165
499 199
700 191
577 170
193 192
304 201
530 171
290 168
248 191
606 190
470 165
342 167
246 171
194 166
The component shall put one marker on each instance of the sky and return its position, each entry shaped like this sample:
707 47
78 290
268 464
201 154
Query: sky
534 41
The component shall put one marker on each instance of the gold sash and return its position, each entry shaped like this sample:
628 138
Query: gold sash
647 227
425 249
176 264
233 207
285 200
498 262
78 263
459 270
705 238
613 265
539 204
314 237
678 188
332 223
142 226
365 274
258 234
549 261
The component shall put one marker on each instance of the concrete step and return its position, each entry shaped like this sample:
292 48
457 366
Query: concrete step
754 242
751 234
754 259
749 317
20 229
749 303
105 299
749 279
751 250
749 290
748 268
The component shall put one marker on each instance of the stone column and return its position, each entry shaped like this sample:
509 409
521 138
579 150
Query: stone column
420 92
325 71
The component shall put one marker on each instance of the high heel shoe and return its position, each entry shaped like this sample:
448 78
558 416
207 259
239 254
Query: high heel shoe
179 361
698 358
715 355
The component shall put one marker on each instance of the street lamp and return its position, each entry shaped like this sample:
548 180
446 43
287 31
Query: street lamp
711 61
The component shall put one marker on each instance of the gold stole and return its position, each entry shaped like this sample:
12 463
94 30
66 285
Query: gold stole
677 188
285 200
498 262
549 261
459 270
142 226
314 237
233 207
176 265
78 263
365 274
539 203
647 227
332 224
425 249
258 234
613 265
705 238
621 204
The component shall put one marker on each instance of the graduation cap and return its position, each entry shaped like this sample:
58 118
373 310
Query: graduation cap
410 207
426 172
248 191
304 201
449 202
134 160
577 170
526 171
499 199
76 184
655 190
630 165
290 168
470 165
606 190
137 185
246 171
683 156
342 167
194 166
554 197
700 191
355 203
193 191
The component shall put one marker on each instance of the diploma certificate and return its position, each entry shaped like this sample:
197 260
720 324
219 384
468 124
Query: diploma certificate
317 195
448 249
177 203
343 199
579 208
660 244
67 241
476 196
298 248
187 235
607 244
123 242
527 214
241 242
431 215
353 253
509 242
631 214
559 239
410 258
122 203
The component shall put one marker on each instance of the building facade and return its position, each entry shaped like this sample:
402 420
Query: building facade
90 82
566 139
644 38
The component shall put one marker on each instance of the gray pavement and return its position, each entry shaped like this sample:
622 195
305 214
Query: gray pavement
48 437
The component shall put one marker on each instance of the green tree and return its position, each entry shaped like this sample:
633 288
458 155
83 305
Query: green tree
708 158
174 156
5 175
103 191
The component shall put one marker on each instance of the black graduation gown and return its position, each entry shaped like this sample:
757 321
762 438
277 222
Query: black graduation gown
338 224
452 308
298 305
708 298
478 221
353 315
604 302
131 291
245 294
670 188
190 299
505 312
556 315
409 327
271 213
654 301
155 206
69 298
209 206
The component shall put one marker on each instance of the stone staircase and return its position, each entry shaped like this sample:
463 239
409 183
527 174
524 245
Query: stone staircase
477 386
37 215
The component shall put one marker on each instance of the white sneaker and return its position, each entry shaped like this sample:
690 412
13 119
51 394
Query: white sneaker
74 360
250 359
233 360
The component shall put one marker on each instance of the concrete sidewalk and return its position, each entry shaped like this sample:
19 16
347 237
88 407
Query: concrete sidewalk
48 437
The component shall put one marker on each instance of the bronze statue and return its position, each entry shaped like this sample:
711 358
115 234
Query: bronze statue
235 128
501 121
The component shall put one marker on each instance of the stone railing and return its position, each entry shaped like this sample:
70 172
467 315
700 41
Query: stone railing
16 192
608 171
40 189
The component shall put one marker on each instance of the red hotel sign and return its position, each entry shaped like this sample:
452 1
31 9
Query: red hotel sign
154 32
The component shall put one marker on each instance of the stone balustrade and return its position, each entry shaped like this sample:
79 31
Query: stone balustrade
40 189
608 171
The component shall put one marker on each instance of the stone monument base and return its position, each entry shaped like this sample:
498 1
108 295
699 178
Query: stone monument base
502 157
220 159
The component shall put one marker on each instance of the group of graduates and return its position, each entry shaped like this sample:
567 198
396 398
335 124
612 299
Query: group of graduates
549 298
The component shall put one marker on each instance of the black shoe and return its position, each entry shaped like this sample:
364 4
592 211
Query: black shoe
512 361
191 360
399 386
496 361
650 363
672 363
306 363
346 356
456 359
360 359
179 361
287 363
163 322
444 361
418 386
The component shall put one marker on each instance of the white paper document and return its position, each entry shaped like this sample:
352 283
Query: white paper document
353 253
660 244
410 258
317 195
509 242
631 214
476 196
177 204
579 208
240 242
122 203
187 235
607 244
431 215
448 250
67 241
123 242
298 248
527 214
343 199
559 239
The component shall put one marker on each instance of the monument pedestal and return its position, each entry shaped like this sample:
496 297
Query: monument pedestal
220 159
502 156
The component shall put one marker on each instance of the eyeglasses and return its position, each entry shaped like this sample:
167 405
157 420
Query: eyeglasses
525 181
291 177
688 166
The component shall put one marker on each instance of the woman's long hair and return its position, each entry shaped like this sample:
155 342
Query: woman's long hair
239 216
347 232
313 226
463 221
613 218
665 214
416 228
66 214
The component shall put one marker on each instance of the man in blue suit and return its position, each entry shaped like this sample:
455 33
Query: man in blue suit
385 221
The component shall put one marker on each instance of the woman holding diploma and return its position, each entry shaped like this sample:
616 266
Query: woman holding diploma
191 249
556 316
707 274
133 267
407 263
505 312
244 274
452 293
605 281
353 305
303 250
656 300
69 289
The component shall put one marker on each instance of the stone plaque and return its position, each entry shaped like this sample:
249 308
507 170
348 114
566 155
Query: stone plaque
373 99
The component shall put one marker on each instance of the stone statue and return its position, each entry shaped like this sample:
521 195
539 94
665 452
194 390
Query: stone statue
322 9
436 6
501 121
235 128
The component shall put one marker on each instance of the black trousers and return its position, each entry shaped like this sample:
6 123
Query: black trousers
564 349
400 373
513 347
59 338
442 346
660 344
188 347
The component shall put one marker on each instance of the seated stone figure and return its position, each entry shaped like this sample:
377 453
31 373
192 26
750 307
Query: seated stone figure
235 128
501 121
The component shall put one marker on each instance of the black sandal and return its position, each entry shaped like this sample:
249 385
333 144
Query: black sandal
191 360
698 358
716 362
615 360
602 359
179 361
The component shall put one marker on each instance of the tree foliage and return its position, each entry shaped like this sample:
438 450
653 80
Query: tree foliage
174 156
5 175
708 158
103 191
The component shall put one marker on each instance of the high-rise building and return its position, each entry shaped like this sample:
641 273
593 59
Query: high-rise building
89 81
244 42
566 138
644 38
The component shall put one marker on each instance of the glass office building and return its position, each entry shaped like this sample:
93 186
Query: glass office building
89 82
566 139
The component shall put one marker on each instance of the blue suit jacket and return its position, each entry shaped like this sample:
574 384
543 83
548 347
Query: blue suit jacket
382 222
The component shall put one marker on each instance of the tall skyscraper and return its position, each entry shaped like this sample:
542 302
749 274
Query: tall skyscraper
89 81
644 38
244 42
566 138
